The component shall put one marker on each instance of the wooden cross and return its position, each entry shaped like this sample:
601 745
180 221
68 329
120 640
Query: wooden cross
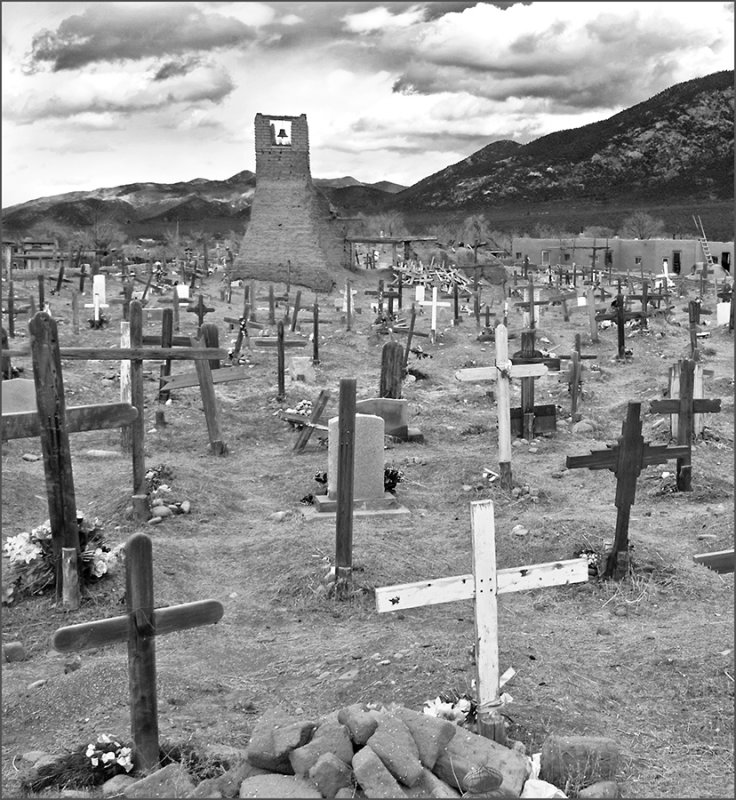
502 372
311 424
529 305
563 298
200 309
645 299
139 627
683 406
574 377
530 419
53 422
483 585
434 304
619 315
626 459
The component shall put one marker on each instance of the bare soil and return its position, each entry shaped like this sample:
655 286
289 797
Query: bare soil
647 660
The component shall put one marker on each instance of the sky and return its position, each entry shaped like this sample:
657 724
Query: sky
100 94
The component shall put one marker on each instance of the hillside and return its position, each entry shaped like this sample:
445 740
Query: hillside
673 153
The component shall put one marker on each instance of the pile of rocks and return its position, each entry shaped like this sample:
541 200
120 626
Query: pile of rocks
388 752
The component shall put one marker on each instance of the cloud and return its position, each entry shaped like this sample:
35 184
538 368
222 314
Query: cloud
109 32
169 69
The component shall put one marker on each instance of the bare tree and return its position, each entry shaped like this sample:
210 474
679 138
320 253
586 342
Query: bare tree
641 225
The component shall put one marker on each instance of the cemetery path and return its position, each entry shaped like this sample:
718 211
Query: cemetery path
647 660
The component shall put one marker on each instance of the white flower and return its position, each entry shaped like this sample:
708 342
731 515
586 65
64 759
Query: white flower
104 738
94 761
108 757
90 750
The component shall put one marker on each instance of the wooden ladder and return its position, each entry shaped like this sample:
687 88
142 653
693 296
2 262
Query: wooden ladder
703 241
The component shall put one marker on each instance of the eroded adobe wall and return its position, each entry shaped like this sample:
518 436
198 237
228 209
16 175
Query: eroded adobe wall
290 220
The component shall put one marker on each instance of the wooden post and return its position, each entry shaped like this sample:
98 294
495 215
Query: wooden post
207 391
60 278
456 303
349 303
412 322
693 311
295 313
41 292
392 370
6 368
176 320
75 312
167 336
137 427
70 597
126 392
271 307
280 362
210 335
344 489
82 276
503 403
315 333
11 310
57 460
590 301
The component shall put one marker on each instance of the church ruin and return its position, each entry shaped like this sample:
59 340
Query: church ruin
293 236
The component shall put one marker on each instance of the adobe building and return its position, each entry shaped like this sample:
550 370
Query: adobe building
293 236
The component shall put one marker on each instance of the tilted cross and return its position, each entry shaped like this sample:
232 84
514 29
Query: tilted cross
626 459
483 585
683 406
138 628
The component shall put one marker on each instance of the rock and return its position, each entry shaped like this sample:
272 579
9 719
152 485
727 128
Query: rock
155 520
30 457
330 774
32 756
278 516
431 734
102 454
228 784
161 511
72 663
466 751
519 530
116 786
330 737
273 739
37 684
431 786
373 777
360 724
584 426
171 781
278 786
395 746
185 507
535 788
578 759
606 790
14 651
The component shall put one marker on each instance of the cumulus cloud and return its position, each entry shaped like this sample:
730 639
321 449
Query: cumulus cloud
106 32
176 67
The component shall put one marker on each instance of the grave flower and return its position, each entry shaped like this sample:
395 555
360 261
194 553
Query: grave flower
109 756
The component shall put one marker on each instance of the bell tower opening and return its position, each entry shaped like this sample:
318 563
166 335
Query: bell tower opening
281 132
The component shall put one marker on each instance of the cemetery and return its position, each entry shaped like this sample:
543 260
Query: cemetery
539 600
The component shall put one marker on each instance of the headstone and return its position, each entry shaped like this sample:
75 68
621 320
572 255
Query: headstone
302 369
98 288
369 466
394 412
723 313
419 293
182 291
18 394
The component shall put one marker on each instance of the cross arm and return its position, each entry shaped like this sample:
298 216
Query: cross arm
700 406
462 587
130 353
24 424
474 374
598 459
656 454
114 630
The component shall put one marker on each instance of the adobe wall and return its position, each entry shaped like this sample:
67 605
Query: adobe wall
290 220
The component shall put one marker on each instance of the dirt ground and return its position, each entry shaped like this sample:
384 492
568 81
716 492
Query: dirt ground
647 660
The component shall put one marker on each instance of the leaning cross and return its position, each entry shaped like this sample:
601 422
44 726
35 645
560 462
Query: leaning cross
502 372
683 406
138 628
200 309
626 459
483 586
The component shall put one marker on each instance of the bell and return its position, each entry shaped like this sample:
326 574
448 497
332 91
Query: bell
282 134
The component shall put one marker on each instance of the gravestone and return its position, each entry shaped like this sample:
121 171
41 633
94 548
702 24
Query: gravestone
395 415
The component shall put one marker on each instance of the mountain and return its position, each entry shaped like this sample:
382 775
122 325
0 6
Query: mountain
672 155
677 145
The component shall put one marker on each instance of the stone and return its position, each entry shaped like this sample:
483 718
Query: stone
330 774
535 788
14 651
185 507
431 786
18 394
373 777
171 781
32 756
330 737
606 790
578 759
584 426
359 722
394 412
369 461
279 786
395 746
161 511
115 786
274 737
431 734
466 751
228 784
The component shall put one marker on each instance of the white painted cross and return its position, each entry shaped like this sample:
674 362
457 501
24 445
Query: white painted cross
98 296
344 293
502 372
666 281
434 305
483 586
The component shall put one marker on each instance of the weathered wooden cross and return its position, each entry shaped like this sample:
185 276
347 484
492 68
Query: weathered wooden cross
53 422
502 372
434 304
626 459
684 403
574 375
200 308
483 585
139 627
619 316
311 424
530 419
529 304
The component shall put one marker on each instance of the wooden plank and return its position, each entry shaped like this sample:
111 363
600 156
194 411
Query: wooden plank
477 374
101 633
266 341
24 424
137 398
700 406
187 379
209 401
721 561
461 587
135 353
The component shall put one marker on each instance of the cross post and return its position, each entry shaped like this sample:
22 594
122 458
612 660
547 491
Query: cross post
138 628
483 586
626 459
